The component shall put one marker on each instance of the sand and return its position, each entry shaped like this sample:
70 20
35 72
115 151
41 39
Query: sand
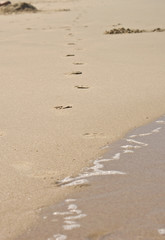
124 75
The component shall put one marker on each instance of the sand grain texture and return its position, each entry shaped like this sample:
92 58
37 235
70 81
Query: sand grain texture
41 144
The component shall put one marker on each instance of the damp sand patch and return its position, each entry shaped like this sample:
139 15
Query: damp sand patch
20 7
129 30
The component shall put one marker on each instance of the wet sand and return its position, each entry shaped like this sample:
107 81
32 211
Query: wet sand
54 120
126 202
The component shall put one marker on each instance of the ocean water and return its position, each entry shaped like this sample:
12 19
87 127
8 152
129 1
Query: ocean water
120 197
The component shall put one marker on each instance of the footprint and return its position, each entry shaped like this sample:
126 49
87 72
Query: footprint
76 73
78 63
62 107
62 10
70 55
1 133
82 87
71 44
79 49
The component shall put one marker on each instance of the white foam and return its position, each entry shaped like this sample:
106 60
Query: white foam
72 207
82 215
130 147
127 146
137 142
133 136
144 134
161 231
156 130
67 179
79 181
76 211
101 172
69 222
128 151
160 121
76 182
116 156
60 237
96 166
72 226
61 213
102 160
70 200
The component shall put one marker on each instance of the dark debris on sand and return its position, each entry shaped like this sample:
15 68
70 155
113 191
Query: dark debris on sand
17 8
128 30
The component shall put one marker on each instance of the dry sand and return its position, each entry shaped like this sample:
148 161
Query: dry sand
124 76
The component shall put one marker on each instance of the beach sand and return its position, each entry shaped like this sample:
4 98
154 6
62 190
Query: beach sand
67 89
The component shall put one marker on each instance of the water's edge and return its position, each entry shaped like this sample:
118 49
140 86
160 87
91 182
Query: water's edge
123 193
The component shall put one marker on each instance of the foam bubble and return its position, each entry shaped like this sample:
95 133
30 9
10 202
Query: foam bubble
76 182
160 121
156 130
69 222
145 134
130 147
116 156
128 151
76 211
70 200
102 160
101 172
60 237
72 207
137 142
161 231
82 215
72 226
133 136
127 146
61 213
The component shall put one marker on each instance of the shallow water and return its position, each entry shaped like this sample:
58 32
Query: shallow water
122 194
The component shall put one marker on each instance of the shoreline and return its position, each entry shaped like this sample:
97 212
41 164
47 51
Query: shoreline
54 119
119 185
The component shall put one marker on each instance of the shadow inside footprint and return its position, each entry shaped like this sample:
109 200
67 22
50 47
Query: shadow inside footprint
70 55
71 43
82 87
76 73
62 107
78 63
